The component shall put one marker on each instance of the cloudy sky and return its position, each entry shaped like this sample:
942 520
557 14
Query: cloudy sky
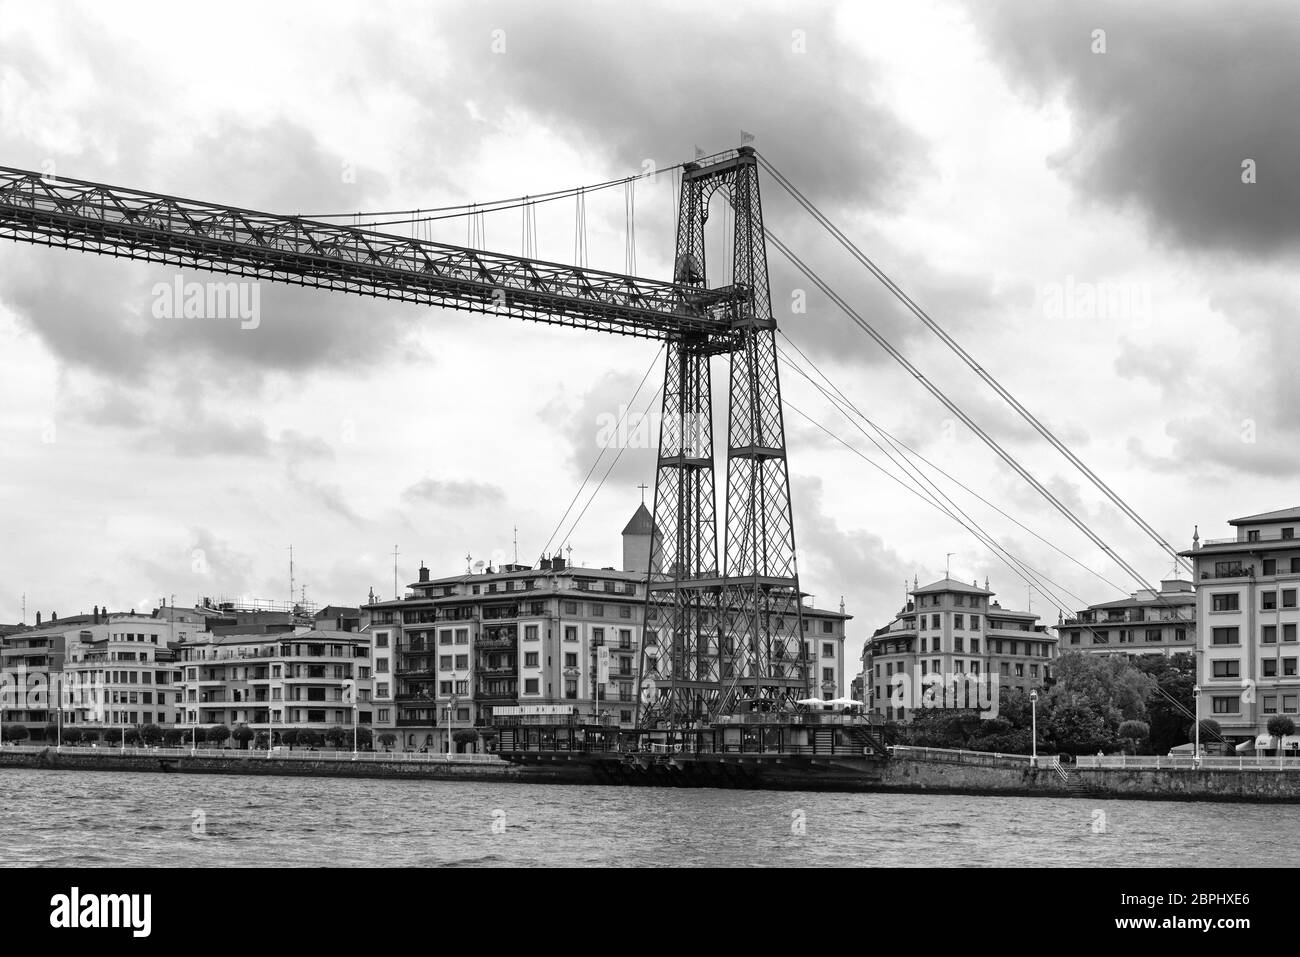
1011 165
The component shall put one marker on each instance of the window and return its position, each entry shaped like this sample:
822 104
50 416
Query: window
444 662
937 642
1227 602
1180 634
1224 636
381 639
1155 634
1227 669
1288 597
925 667
570 633
974 622
1270 635
530 632
444 636
828 674
1020 670
828 627
1289 703
1288 632
570 607
462 714
462 687
530 659
444 687
828 649
1270 704
924 620
462 636
571 659
1005 668
934 621
1224 705
625 637
625 611
383 714
597 610
1288 667
1295 566
530 685
381 666
1270 566
957 643
959 621
381 689
462 662
1269 669
925 644
1252 535
1267 600
975 646
570 688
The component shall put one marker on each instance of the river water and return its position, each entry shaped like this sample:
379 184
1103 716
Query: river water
90 819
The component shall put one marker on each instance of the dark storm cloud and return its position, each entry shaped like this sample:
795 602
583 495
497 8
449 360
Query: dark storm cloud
638 82
1165 117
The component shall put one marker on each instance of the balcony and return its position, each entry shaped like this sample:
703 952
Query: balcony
496 644
499 670
416 723
484 695
1247 571
417 673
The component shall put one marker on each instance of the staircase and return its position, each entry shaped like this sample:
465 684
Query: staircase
867 739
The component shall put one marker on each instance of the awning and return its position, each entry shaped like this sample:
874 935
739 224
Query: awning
1268 741
811 701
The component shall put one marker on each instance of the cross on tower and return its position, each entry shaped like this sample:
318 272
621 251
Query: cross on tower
643 487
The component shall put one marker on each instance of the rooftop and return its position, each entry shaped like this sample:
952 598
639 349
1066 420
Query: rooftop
1281 515
950 584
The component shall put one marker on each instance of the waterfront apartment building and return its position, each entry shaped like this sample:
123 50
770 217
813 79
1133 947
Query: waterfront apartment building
31 660
280 680
949 627
1246 601
120 674
1148 622
454 649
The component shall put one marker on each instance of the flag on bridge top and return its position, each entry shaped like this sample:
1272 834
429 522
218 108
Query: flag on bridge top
746 137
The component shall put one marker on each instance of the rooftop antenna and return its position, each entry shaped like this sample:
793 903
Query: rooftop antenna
395 554
24 608
947 565
516 544
291 588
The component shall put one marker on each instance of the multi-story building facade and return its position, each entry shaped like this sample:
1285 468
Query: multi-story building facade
454 649
951 628
300 679
120 674
31 663
1146 623
1248 665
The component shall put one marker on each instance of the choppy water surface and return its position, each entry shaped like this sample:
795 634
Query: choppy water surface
88 819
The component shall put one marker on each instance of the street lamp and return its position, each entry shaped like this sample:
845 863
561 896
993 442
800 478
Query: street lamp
1196 706
1033 703
451 713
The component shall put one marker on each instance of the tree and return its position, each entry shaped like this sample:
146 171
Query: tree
289 737
1134 733
72 735
173 736
1210 730
1280 726
132 737
218 734
113 736
1170 703
464 736
365 737
309 738
151 734
52 731
336 736
242 734
1075 727
16 732
388 739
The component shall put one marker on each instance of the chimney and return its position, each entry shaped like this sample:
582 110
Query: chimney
557 563
96 618
424 573
38 619
545 565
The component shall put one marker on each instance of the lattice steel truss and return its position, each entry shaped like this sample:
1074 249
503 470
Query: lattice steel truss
715 643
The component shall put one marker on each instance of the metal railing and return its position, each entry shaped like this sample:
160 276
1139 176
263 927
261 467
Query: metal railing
985 758
280 754
1156 762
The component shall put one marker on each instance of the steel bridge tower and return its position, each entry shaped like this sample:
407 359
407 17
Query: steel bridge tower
720 641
